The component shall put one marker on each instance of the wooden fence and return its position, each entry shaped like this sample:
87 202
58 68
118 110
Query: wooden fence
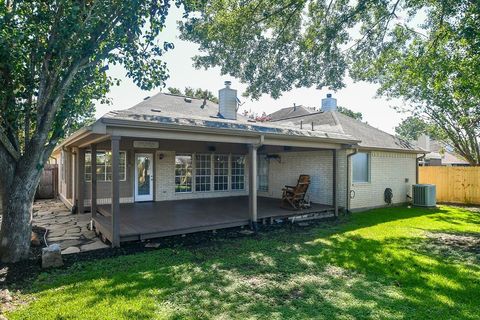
48 186
454 184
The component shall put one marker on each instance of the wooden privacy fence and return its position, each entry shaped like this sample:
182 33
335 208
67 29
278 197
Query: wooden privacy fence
48 186
454 184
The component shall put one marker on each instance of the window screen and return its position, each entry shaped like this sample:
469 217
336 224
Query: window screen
262 173
238 172
360 167
104 166
183 173
220 172
203 172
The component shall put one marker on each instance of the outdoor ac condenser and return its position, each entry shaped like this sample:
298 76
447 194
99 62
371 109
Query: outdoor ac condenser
424 195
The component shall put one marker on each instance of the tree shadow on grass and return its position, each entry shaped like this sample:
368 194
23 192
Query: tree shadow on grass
294 275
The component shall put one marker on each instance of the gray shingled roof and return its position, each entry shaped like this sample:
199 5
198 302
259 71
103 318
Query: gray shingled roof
169 109
369 136
290 112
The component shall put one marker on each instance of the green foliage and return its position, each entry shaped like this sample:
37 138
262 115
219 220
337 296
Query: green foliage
54 56
436 72
426 52
350 113
195 93
411 128
384 264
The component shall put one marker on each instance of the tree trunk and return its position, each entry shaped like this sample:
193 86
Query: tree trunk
17 215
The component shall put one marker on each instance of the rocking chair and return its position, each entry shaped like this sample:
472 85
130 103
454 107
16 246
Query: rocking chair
294 196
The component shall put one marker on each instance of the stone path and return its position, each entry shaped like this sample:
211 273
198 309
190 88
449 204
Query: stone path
70 231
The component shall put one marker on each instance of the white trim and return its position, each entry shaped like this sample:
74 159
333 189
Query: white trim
102 201
147 197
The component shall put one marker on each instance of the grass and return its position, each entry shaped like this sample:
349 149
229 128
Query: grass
379 264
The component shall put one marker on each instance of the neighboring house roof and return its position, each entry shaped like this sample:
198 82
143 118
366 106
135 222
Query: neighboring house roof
175 110
440 151
290 112
369 136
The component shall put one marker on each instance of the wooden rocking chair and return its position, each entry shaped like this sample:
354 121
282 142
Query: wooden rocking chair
295 195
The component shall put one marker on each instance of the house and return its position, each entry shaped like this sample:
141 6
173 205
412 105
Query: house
175 165
439 153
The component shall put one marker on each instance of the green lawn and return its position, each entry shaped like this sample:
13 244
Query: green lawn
382 264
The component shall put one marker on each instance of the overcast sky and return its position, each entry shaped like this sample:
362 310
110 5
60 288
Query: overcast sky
356 96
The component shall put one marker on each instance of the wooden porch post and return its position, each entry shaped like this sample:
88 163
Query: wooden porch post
252 194
80 180
93 161
335 179
115 192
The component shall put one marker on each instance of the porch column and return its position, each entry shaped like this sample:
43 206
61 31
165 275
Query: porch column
80 180
335 179
115 192
93 161
252 194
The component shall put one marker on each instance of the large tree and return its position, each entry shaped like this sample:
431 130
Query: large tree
412 127
53 61
426 52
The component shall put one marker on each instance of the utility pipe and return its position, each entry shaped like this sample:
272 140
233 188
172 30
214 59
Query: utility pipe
355 151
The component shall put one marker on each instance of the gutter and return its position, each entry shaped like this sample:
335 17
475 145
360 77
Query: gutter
355 151
176 127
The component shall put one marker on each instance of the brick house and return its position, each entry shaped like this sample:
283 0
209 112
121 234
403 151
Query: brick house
174 165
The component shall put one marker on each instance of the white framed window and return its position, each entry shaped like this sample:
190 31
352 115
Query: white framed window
220 172
104 166
361 167
183 173
203 172
262 173
238 172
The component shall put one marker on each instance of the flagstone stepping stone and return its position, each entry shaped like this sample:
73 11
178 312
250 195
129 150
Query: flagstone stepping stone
71 250
55 239
94 246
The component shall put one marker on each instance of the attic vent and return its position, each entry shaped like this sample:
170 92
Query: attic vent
189 100
156 110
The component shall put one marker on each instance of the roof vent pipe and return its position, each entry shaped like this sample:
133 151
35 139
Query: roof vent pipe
329 103
227 102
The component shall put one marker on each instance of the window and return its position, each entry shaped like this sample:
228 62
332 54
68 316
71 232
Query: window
262 173
183 173
360 167
238 172
220 172
104 166
203 172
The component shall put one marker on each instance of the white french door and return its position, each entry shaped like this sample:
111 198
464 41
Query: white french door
143 177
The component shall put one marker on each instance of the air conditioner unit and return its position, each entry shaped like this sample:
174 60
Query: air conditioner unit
424 195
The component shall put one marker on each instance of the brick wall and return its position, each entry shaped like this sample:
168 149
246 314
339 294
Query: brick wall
317 164
388 170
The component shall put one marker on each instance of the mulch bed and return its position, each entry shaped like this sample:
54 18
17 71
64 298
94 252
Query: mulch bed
20 274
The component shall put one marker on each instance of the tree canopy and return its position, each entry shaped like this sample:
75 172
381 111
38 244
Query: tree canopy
412 127
350 113
425 52
195 93
53 61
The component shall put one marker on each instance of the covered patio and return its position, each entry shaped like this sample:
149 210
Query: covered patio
145 220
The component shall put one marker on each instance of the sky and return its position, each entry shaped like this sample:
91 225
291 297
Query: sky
360 96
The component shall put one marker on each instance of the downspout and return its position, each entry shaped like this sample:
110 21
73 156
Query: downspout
355 151
416 168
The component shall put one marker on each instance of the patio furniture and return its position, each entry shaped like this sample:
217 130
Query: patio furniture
294 196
